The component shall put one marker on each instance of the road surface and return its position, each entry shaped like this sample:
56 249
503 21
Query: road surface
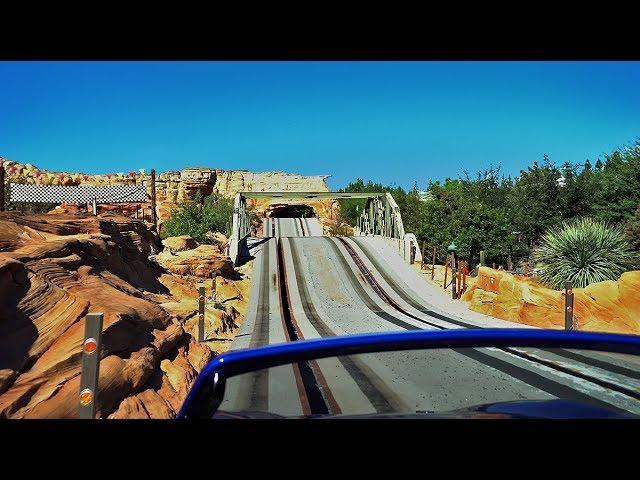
309 286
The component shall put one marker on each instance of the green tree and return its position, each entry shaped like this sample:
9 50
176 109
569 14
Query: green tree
508 217
351 208
535 203
616 192
633 231
195 218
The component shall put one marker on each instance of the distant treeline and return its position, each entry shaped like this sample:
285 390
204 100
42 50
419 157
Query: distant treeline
505 216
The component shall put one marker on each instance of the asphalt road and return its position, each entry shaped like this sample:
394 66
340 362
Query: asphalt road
308 286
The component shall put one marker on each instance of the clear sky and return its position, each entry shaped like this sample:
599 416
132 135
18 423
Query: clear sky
392 122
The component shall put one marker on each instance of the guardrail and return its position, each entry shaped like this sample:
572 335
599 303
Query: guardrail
381 217
239 228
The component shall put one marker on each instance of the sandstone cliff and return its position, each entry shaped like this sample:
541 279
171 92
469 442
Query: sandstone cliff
56 268
604 306
176 186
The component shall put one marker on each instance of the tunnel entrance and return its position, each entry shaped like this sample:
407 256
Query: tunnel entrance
292 211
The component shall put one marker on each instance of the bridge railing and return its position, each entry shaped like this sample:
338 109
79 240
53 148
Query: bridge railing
240 228
381 217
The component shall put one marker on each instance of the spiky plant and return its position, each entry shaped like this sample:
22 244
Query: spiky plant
584 251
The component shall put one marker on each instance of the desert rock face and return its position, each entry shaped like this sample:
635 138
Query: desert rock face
201 262
605 306
180 244
54 269
175 186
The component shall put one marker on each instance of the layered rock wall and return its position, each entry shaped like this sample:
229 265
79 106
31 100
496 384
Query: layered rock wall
604 306
54 269
176 186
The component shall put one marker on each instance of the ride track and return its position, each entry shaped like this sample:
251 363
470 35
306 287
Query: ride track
285 306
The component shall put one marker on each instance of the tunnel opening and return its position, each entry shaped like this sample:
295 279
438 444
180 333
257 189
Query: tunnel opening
292 211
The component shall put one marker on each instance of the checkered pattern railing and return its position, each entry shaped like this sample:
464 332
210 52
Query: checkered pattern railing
79 194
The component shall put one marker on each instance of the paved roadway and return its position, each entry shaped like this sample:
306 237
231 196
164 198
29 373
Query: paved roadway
327 293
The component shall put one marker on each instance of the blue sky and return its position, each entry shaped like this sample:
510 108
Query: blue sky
392 122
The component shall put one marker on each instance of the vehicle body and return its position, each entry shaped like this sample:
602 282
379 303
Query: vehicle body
208 391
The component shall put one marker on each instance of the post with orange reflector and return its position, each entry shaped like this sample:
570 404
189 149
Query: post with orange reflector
90 366
201 313
568 305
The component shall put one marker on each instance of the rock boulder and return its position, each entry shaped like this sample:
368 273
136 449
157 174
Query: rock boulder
180 244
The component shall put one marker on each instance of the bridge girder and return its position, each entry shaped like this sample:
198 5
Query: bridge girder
304 195
380 216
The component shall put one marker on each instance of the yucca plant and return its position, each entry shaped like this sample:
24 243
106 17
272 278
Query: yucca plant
584 251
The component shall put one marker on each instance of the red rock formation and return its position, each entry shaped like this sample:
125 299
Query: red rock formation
55 269
201 262
175 186
180 244
605 306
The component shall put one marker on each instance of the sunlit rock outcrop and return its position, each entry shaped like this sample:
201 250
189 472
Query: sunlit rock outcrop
177 186
604 306
54 269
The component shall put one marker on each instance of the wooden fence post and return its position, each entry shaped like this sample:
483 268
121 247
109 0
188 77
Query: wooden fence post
433 264
154 219
446 267
464 278
1 187
454 274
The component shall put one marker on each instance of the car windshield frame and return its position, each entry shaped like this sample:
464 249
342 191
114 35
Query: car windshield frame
207 392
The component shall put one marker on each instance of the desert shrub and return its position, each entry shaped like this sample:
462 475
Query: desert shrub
584 251
196 218
340 228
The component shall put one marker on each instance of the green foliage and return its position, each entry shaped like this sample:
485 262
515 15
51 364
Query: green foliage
584 251
196 218
219 306
507 216
340 228
351 208
616 187
633 231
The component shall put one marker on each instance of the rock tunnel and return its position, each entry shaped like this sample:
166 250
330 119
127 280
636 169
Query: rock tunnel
291 211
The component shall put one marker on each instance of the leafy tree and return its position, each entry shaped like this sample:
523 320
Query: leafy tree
633 231
195 218
507 217
616 192
351 208
535 200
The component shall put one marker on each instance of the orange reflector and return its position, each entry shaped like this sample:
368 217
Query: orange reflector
86 397
90 345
